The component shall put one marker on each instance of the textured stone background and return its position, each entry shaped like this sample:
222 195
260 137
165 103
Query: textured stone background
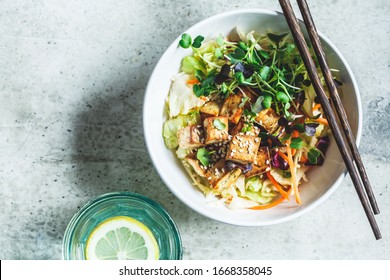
72 80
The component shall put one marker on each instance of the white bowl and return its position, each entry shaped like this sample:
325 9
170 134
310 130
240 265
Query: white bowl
323 180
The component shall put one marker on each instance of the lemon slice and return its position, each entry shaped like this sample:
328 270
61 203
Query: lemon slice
121 238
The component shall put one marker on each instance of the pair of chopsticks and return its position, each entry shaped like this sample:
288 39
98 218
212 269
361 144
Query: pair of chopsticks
349 150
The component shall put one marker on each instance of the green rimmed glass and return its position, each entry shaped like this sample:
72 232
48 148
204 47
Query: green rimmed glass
128 204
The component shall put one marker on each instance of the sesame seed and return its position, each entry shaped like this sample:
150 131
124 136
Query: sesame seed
268 169
267 161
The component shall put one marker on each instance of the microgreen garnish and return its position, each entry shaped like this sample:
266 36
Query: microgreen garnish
198 41
257 106
277 39
267 102
299 127
313 155
204 156
275 72
243 101
186 41
296 143
219 125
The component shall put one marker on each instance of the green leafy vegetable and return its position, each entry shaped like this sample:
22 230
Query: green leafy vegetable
257 106
264 72
296 143
185 41
198 41
277 39
243 101
204 156
266 103
282 97
190 65
219 125
313 155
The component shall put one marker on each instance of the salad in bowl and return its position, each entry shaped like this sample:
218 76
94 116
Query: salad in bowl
232 123
244 119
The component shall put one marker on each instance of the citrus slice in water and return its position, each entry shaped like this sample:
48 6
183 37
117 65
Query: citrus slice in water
121 238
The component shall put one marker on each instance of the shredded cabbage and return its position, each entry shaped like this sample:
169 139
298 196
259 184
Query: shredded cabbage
260 192
181 99
190 64
172 126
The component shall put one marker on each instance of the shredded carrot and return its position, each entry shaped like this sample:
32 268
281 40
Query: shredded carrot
293 151
316 107
278 187
294 134
283 155
322 121
293 174
192 82
303 159
271 204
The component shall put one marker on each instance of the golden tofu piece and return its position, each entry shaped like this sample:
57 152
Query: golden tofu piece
268 119
243 148
217 129
228 179
238 128
196 165
262 163
210 108
231 108
190 137
216 172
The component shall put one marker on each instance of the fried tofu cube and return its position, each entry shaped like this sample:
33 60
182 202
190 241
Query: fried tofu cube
190 137
238 128
268 119
196 165
210 108
228 179
219 178
262 163
243 148
217 129
231 108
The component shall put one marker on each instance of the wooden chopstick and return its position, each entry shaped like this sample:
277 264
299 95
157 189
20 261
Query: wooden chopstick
315 79
315 39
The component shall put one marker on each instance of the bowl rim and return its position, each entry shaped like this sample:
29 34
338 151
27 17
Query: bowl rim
302 211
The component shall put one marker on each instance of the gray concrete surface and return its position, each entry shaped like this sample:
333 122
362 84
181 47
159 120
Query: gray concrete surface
72 81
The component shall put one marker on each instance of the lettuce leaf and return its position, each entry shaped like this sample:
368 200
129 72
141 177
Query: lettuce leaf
172 126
